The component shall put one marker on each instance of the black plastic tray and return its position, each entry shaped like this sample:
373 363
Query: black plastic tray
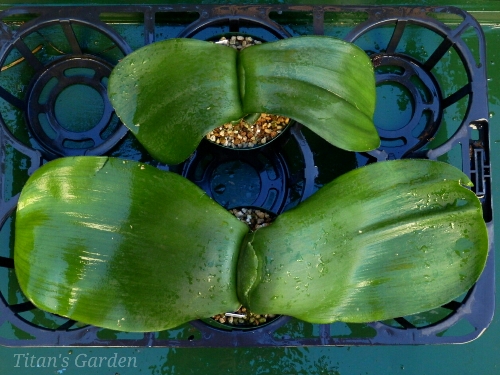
430 68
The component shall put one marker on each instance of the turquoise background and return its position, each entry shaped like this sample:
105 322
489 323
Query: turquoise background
479 357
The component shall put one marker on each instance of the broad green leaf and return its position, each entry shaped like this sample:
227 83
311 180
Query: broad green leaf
324 83
124 246
386 240
171 93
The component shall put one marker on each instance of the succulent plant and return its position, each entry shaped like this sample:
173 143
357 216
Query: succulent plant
170 94
126 246
123 245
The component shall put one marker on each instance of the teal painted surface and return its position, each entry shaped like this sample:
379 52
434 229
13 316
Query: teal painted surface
479 357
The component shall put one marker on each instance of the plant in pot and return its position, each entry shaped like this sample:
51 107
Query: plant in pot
243 318
171 94
254 129
126 246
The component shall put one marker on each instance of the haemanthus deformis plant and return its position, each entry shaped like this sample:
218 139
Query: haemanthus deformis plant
122 245
171 93
126 246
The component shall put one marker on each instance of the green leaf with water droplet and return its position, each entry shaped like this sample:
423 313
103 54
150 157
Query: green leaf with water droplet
171 93
386 240
123 245
324 83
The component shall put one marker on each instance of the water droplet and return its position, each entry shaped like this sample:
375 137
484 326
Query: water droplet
219 189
